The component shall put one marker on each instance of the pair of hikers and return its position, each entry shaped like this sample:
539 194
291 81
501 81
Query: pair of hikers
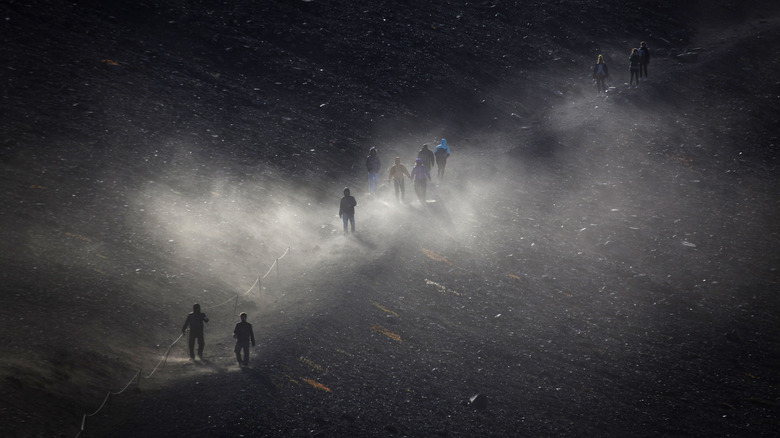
242 332
439 156
638 61
419 176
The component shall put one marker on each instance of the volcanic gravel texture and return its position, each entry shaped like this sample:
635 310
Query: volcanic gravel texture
591 264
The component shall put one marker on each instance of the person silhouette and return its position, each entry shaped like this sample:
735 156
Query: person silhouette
644 59
396 175
441 152
373 165
347 209
600 74
426 155
420 176
195 321
633 61
244 335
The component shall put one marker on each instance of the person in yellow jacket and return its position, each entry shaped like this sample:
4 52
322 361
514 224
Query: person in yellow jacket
397 173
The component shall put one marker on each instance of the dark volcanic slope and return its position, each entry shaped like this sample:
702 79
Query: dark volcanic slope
593 265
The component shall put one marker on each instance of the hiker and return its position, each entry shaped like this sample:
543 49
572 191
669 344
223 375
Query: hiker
420 176
600 74
426 155
347 209
633 61
243 334
195 322
373 165
442 152
644 59
397 173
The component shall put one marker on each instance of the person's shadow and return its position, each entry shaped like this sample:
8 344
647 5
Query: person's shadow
261 378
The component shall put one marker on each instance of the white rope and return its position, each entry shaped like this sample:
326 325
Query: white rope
270 269
128 384
165 357
162 361
105 400
251 287
220 304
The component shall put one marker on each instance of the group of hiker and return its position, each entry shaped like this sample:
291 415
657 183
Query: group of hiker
243 334
638 60
420 175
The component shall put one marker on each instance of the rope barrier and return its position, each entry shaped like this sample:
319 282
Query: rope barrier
220 304
137 377
165 357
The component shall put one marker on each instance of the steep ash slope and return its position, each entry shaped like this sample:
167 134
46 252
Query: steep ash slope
592 264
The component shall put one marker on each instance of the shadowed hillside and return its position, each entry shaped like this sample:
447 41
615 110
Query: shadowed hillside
591 264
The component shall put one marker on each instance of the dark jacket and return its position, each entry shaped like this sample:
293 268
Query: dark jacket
604 69
195 322
634 61
644 55
347 205
426 155
243 332
372 163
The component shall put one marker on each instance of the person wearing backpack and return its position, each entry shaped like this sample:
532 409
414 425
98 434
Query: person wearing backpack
426 155
644 59
633 61
442 152
600 74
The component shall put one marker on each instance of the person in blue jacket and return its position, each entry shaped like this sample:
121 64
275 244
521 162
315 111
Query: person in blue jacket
373 165
442 152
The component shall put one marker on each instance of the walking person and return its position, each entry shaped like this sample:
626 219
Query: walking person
426 155
397 173
420 177
442 152
195 321
347 210
633 61
600 74
373 165
244 335
644 59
